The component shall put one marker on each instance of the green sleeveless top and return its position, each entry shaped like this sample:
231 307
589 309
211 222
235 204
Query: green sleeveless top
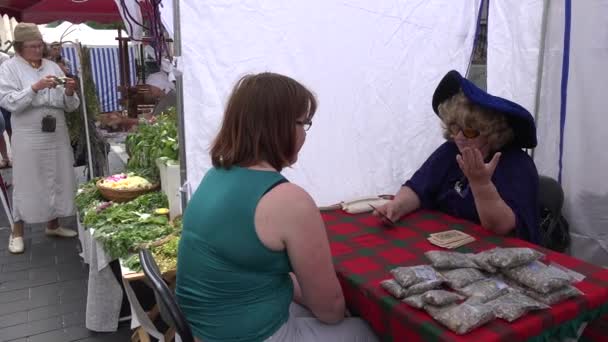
229 285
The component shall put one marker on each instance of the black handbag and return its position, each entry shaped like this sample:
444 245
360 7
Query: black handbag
49 124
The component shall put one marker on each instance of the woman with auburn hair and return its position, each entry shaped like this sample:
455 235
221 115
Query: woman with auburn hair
481 172
254 262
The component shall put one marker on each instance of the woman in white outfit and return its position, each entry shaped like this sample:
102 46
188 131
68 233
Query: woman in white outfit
32 88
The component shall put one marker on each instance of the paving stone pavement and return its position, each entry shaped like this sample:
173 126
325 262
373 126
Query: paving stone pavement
43 291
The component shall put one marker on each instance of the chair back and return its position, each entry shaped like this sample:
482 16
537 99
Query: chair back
554 227
164 297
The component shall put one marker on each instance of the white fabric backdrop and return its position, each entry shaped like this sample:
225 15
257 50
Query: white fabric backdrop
373 65
514 30
166 14
585 162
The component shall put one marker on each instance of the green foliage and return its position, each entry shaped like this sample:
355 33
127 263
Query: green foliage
122 227
153 141
87 195
165 256
93 107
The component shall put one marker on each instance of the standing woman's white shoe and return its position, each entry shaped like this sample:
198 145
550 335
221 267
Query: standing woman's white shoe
15 244
60 231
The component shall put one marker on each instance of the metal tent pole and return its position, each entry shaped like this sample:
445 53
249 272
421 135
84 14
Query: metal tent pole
179 89
541 63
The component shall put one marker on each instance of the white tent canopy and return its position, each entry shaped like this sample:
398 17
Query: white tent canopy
82 33
374 66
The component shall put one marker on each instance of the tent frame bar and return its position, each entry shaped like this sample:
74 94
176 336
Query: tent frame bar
541 63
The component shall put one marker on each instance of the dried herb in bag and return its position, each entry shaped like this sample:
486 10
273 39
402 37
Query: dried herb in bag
462 277
513 257
555 296
513 305
407 276
423 287
484 290
539 277
393 287
414 301
462 318
450 260
441 297
482 260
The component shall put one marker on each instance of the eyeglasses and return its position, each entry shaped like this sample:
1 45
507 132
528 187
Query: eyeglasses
469 133
34 47
305 123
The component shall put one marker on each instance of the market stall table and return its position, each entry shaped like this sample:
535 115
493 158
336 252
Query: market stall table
364 251
104 293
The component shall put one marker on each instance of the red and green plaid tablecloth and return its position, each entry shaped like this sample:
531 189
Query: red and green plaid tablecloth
364 251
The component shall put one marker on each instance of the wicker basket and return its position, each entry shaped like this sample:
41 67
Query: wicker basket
120 196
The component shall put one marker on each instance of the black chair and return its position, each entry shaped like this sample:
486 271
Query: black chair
554 227
164 297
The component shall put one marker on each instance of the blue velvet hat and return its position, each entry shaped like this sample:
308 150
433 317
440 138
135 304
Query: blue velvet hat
519 118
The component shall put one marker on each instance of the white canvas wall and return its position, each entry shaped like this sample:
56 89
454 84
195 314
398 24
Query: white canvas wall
574 86
373 65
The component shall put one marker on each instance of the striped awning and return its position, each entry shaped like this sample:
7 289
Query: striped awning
105 68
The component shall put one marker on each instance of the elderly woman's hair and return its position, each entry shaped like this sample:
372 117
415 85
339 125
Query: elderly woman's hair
260 121
491 124
18 46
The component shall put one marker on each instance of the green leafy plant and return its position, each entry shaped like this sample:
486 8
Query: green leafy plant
122 228
87 195
150 142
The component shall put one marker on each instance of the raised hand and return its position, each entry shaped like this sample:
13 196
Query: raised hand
474 168
70 86
45 82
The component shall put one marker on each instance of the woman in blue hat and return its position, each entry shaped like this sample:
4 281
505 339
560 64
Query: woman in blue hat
481 172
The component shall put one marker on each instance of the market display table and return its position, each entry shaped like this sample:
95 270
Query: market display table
364 251
104 293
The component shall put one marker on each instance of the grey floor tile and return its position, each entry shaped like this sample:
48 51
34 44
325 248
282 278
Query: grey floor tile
31 328
65 335
13 276
13 319
28 264
123 334
43 291
76 318
12 296
28 304
9 258
56 310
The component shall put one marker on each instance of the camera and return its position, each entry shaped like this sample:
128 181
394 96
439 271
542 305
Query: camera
60 80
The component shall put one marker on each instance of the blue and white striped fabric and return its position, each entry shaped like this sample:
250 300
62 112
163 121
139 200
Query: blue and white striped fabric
70 53
105 69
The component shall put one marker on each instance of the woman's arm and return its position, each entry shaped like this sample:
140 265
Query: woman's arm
70 100
12 97
297 290
405 201
494 213
288 212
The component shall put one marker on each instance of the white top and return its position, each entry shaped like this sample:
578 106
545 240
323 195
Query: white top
161 81
4 57
43 173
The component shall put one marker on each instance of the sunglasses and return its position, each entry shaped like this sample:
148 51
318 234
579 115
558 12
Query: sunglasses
305 123
469 133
